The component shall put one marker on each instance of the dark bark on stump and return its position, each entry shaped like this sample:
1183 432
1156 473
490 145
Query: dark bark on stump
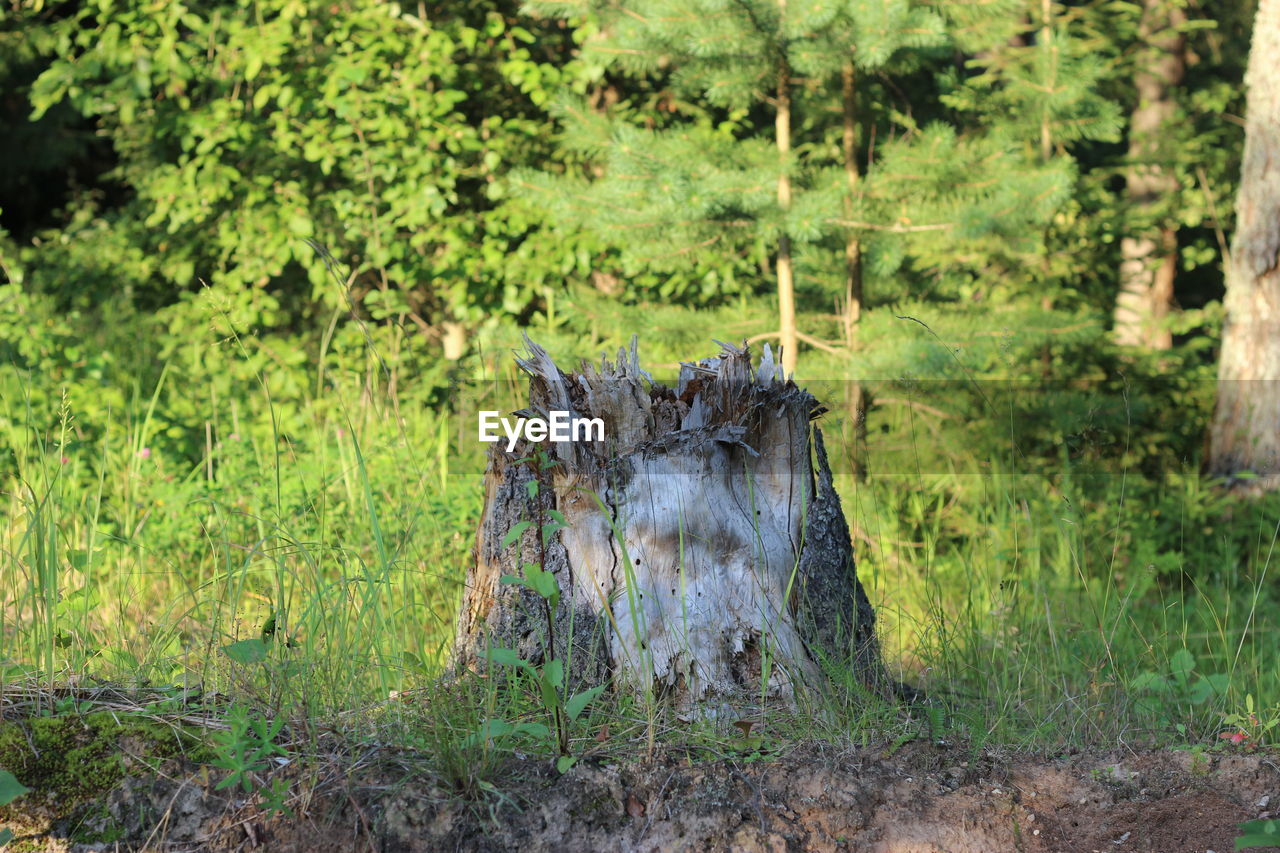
705 536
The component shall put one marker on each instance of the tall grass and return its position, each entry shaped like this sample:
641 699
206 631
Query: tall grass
1078 603
341 543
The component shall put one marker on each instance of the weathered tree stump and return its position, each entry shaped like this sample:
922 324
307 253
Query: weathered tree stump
706 553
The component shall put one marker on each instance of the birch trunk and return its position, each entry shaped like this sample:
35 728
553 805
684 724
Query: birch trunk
1149 257
706 553
1246 427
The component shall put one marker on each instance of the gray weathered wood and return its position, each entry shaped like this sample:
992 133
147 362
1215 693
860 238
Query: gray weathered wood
705 540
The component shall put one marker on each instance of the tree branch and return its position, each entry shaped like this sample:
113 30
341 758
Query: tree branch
896 229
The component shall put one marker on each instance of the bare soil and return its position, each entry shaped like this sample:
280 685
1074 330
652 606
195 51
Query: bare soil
922 797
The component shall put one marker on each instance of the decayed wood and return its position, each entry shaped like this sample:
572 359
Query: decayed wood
706 552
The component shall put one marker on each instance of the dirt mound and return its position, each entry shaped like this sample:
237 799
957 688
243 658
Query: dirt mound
922 797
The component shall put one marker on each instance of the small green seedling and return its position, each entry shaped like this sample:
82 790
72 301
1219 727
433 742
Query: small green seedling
246 749
561 706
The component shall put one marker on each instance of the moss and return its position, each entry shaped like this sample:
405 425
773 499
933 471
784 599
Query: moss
67 761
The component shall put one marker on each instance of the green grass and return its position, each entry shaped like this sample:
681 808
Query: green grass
127 561
1035 622
296 541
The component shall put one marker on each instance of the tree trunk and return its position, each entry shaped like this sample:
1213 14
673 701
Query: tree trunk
852 247
1046 44
1148 266
856 403
786 280
1149 257
1246 427
704 555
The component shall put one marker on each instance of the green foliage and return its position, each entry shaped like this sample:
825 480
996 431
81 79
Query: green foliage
1259 833
10 788
1252 727
241 132
246 750
393 138
246 651
932 189
192 471
560 706
1181 685
36 338
1079 85
1046 90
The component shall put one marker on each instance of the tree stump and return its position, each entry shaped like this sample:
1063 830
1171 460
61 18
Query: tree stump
705 552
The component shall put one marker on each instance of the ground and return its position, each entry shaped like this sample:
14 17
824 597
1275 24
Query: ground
918 796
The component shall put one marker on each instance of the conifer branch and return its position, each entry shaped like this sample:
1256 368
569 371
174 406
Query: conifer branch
893 229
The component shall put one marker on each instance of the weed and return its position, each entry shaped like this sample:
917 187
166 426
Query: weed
1178 689
1199 761
558 704
1252 729
246 750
